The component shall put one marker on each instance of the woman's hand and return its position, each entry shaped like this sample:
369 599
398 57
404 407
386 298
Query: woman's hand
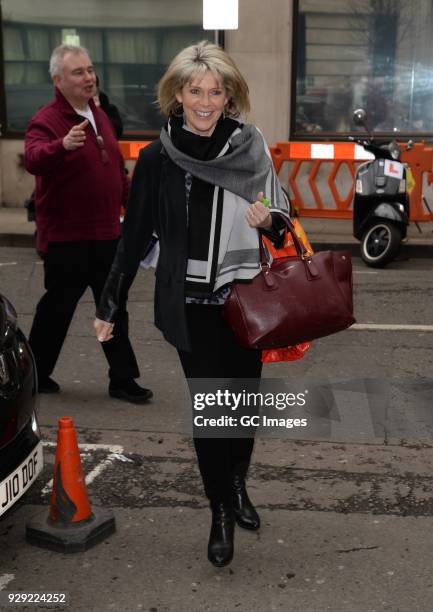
258 215
104 330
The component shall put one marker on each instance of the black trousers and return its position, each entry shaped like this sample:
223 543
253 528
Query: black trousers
216 354
71 267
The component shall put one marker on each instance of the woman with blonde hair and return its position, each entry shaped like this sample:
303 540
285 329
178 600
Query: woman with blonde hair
200 187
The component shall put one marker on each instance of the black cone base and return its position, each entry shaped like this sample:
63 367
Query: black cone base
72 537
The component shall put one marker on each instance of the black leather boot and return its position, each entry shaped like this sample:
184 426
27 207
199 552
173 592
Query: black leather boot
220 547
245 513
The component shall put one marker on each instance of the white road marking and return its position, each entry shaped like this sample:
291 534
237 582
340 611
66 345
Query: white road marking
5 579
9 263
112 448
98 469
121 458
391 327
365 272
115 451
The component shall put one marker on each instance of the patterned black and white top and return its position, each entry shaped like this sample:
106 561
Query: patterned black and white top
220 296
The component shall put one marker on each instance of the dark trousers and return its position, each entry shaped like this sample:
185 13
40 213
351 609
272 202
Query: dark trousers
216 354
71 267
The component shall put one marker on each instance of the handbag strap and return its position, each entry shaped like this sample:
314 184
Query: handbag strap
301 250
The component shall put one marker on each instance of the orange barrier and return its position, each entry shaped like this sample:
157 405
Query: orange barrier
420 161
131 148
335 155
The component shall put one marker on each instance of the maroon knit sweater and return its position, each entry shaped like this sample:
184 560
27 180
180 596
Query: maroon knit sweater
78 197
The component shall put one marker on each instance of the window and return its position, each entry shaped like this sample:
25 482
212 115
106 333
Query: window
130 42
374 54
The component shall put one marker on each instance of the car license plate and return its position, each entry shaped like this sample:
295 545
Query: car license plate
17 483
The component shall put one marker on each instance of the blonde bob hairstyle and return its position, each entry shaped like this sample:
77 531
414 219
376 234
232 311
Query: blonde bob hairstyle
193 62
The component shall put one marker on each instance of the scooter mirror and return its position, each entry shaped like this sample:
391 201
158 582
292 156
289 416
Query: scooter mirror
360 117
409 145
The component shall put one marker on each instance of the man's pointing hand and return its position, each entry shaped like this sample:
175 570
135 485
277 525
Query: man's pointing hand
76 136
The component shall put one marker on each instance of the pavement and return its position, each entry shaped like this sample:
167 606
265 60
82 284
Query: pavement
347 511
15 230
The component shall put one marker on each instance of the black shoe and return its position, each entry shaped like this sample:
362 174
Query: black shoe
129 391
220 547
47 385
245 513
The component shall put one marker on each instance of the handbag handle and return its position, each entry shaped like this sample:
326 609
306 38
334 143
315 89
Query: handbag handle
301 250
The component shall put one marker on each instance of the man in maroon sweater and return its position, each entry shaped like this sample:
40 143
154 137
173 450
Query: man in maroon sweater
80 186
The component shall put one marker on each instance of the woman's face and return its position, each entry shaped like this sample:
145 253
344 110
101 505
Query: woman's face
203 101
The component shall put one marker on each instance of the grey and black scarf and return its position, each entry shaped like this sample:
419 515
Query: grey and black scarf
229 168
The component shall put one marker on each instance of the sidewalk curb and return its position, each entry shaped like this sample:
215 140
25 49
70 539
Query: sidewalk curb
408 249
17 240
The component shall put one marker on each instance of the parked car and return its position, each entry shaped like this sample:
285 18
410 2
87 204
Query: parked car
21 458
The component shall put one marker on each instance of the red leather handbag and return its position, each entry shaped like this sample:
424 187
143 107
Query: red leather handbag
292 299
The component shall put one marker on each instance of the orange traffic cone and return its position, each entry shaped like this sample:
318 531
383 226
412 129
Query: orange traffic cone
72 525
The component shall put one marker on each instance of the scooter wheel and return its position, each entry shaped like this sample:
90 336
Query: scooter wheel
380 244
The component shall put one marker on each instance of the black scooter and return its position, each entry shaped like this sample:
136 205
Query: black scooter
381 200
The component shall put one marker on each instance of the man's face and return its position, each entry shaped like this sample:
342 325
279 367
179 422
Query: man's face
77 82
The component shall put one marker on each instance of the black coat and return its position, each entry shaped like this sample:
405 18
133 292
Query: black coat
149 211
